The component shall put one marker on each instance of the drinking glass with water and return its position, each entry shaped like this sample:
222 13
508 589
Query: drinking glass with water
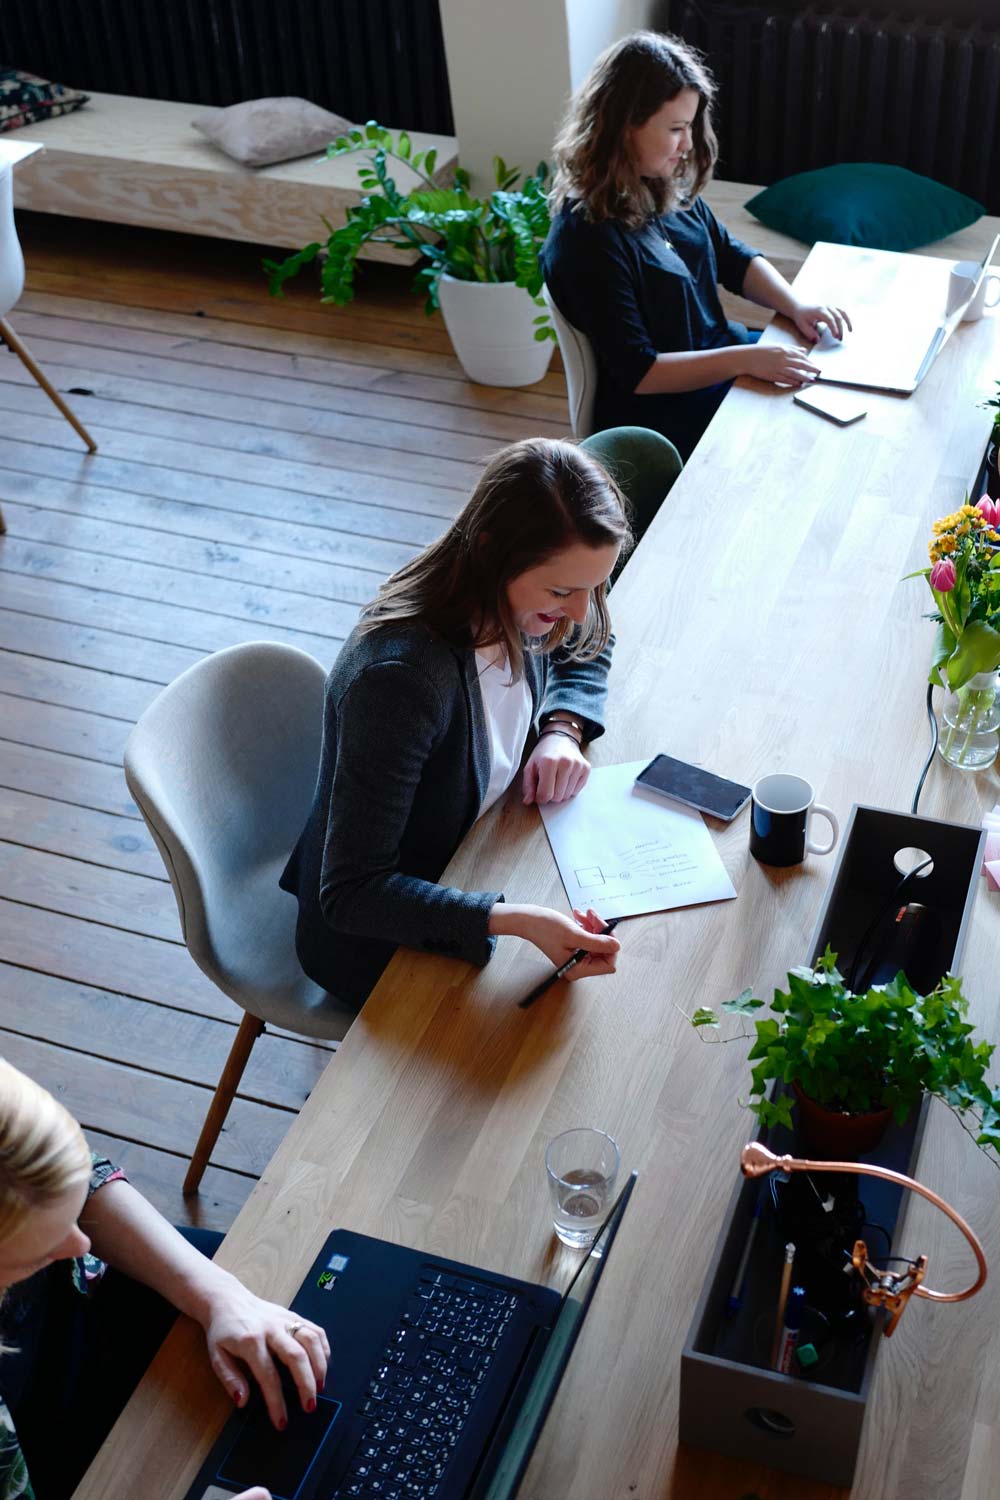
582 1166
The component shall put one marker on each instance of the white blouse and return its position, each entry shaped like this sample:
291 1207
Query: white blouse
507 710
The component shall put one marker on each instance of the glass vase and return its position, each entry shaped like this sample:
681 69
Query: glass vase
970 719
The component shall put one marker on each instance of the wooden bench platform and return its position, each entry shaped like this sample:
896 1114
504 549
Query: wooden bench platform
726 199
139 161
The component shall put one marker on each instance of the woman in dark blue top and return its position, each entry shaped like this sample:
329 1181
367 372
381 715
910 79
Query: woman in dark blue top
635 257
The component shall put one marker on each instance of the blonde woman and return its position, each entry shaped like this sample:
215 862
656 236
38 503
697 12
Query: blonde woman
635 256
92 1277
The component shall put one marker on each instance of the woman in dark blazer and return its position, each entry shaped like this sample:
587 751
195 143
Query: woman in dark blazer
496 633
634 257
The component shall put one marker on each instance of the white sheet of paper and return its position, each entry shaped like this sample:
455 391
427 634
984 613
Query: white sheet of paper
625 851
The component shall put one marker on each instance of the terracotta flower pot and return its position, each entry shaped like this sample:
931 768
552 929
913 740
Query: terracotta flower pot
832 1134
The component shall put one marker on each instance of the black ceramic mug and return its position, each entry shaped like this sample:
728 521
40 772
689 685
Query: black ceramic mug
779 820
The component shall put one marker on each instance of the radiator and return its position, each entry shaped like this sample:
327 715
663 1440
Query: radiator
807 88
366 59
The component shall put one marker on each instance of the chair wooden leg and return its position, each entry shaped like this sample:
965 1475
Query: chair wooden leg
249 1030
13 343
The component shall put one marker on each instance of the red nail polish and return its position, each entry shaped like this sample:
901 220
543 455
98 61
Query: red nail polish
282 1423
237 1395
311 1404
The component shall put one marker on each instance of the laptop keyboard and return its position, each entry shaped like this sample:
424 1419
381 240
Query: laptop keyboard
424 1387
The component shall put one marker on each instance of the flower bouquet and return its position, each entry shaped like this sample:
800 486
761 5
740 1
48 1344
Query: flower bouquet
964 579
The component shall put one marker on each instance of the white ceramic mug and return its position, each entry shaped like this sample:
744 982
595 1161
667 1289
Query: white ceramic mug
963 279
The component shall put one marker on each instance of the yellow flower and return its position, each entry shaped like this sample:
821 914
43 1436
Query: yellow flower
947 544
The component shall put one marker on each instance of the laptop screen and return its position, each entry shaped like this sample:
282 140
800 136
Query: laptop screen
541 1392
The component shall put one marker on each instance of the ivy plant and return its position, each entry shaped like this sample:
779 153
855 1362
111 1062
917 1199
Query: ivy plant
472 239
879 1049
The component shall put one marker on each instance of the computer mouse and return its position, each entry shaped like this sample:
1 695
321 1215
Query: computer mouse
910 939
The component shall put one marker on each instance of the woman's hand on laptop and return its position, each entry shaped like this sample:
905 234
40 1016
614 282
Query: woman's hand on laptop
257 1493
246 1334
813 321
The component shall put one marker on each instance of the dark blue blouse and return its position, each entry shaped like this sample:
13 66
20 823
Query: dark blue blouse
637 293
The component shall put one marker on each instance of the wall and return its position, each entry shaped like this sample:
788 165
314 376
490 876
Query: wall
513 67
508 67
593 26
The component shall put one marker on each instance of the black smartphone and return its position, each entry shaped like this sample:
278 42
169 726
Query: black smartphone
694 787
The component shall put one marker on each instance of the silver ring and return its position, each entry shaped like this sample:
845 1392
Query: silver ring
293 1329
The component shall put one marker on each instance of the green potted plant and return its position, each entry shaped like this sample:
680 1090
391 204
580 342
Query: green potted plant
480 255
855 1061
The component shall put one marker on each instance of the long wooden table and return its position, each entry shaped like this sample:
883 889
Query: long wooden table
761 625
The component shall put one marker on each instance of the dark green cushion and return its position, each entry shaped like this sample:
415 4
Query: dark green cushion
865 203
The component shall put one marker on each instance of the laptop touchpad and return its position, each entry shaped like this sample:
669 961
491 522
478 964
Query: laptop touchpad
279 1461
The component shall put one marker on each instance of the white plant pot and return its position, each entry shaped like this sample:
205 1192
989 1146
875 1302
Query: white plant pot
492 327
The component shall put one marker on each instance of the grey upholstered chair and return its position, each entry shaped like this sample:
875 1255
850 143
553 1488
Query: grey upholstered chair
223 767
581 370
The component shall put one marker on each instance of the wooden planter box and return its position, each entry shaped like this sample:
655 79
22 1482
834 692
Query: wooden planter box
730 1400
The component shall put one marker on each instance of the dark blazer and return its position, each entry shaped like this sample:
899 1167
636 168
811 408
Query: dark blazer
404 767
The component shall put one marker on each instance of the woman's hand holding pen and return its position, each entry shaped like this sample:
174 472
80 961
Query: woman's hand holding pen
558 937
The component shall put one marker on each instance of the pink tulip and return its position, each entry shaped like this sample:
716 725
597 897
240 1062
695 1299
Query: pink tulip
943 576
989 510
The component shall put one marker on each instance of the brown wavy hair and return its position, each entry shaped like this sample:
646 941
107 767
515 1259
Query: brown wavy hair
595 166
534 499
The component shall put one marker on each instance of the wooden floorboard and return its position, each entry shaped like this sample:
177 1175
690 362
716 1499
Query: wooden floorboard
304 522
63 776
203 464
314 356
62 343
262 466
260 539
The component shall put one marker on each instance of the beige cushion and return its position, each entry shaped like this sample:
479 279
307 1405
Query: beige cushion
262 131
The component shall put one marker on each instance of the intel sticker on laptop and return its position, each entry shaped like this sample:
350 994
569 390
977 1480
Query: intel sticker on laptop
337 1263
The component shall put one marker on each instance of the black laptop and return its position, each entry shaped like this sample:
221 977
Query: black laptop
440 1379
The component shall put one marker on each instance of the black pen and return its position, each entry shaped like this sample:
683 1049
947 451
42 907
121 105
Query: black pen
563 969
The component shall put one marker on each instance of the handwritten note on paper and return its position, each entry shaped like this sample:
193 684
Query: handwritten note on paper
625 852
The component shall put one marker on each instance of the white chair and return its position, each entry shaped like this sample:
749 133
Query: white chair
581 370
222 766
11 287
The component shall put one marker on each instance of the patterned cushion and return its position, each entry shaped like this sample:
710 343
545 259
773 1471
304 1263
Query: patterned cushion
25 98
